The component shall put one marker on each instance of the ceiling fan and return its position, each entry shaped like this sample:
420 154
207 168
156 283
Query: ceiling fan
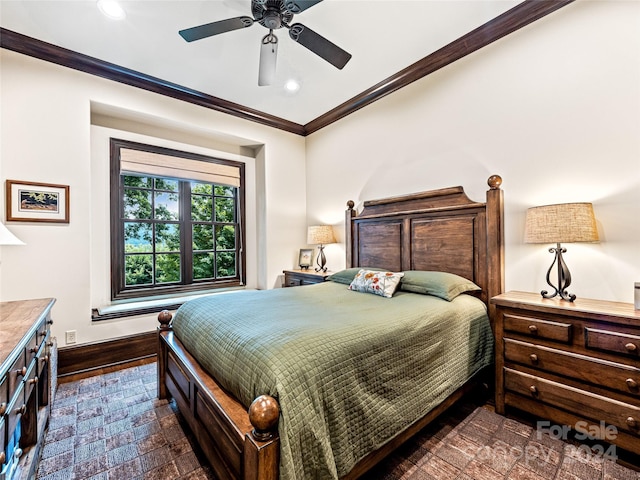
274 14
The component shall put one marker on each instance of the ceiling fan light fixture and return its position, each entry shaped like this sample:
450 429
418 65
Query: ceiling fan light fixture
268 55
111 9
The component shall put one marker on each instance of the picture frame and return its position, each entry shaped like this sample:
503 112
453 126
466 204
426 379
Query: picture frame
305 259
36 202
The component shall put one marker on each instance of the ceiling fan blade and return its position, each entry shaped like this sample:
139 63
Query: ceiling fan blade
268 55
215 28
297 6
319 45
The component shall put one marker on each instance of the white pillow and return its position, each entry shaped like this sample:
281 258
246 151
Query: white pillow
378 283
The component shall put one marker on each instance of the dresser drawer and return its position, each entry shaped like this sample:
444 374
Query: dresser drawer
614 342
36 341
290 281
623 378
31 379
596 407
16 409
16 374
538 328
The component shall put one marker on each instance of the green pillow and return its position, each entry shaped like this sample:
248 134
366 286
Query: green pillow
439 284
346 276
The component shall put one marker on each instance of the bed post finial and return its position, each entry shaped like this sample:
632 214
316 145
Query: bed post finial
351 204
164 318
264 412
494 182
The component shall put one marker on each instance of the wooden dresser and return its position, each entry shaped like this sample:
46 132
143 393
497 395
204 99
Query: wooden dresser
573 363
25 384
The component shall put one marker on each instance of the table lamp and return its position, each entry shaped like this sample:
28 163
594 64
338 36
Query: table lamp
320 235
561 223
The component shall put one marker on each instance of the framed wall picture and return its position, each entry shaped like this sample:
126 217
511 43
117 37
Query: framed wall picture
36 202
305 258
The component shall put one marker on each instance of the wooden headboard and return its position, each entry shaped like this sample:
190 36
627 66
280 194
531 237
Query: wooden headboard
439 230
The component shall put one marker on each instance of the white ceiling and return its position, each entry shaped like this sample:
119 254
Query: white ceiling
384 36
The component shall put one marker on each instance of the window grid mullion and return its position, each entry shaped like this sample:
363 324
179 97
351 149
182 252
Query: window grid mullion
186 232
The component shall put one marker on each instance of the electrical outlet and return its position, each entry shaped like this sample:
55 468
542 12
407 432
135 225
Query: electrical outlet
70 336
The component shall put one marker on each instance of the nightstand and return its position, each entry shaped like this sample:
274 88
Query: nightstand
297 278
573 363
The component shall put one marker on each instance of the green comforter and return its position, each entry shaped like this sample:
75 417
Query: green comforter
350 370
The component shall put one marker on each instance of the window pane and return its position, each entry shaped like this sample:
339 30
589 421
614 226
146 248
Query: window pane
138 269
137 203
202 237
167 237
166 184
167 268
202 266
135 181
224 209
225 237
166 206
223 191
226 264
201 188
201 208
137 237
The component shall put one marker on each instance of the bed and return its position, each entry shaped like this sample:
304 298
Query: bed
376 369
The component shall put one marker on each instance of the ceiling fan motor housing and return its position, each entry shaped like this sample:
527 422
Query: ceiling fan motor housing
270 13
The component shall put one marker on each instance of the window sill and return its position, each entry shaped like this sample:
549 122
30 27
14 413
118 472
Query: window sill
145 307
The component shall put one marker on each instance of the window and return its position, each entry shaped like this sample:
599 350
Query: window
177 222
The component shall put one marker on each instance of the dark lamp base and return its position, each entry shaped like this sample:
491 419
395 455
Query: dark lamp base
564 276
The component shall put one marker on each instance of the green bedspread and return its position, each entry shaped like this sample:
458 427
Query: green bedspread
350 370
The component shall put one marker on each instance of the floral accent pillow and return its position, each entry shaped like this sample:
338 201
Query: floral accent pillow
378 283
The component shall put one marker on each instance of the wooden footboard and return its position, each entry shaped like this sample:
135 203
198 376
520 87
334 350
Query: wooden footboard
239 445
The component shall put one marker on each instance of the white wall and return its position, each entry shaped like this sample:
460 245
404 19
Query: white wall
553 108
46 136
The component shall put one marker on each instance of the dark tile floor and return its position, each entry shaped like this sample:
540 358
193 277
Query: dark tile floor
112 427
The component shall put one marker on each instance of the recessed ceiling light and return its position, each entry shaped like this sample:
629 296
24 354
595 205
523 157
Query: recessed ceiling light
292 86
111 9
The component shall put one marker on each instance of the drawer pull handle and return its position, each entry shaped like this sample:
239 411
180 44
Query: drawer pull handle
632 422
49 344
22 410
22 372
3 457
534 358
44 359
3 409
534 390
33 381
631 347
631 383
43 334
533 329
33 350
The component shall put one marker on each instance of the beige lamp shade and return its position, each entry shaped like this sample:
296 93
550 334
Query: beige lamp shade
8 238
561 223
320 235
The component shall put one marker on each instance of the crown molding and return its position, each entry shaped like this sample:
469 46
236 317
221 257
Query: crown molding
514 19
